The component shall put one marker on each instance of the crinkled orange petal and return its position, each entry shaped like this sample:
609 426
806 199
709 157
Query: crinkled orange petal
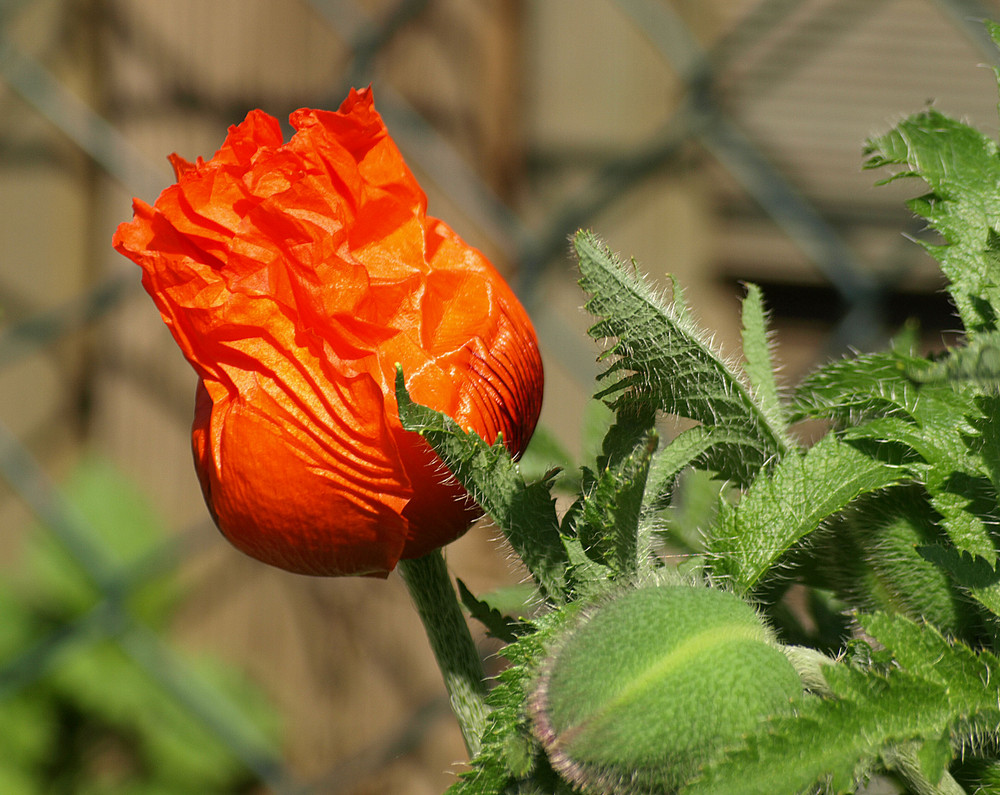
294 276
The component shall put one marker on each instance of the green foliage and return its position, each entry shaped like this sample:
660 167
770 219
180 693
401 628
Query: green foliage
935 690
526 512
608 516
783 507
487 611
660 360
929 426
876 544
887 553
85 709
978 361
962 204
512 759
759 363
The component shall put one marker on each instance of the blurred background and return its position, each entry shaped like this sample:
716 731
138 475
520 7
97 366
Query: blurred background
718 140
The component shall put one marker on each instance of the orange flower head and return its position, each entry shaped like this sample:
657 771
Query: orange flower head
294 276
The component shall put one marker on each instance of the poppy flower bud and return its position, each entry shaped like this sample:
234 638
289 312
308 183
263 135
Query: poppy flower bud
294 276
643 688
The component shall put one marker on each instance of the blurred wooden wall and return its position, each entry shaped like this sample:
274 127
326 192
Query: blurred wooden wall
532 96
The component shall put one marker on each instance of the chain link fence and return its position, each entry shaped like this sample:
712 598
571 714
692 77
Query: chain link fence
720 141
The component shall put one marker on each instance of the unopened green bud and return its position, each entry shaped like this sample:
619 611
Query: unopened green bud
876 562
642 689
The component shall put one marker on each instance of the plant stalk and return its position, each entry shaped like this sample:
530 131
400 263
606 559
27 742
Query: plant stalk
461 667
904 760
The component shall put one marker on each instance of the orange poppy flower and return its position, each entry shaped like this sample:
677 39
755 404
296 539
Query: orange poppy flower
294 276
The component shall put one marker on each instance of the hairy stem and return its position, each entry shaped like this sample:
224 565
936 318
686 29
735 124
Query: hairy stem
903 759
461 667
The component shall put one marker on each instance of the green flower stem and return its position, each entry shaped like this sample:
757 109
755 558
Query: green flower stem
904 760
434 597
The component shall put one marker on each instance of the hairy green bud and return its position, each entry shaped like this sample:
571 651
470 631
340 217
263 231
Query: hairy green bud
642 689
876 563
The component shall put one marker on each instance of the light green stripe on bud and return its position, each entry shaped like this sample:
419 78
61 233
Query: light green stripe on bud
643 688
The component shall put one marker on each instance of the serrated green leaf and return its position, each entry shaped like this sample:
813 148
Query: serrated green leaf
976 575
713 449
608 521
985 441
684 450
590 578
525 513
859 389
511 758
873 560
962 168
963 500
660 360
977 362
757 354
876 394
963 503
923 651
893 439
988 597
969 571
831 742
498 625
782 508
935 687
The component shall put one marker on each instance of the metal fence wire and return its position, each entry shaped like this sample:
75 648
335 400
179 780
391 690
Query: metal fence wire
720 141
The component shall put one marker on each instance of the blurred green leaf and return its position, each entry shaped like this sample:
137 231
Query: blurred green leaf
90 694
127 529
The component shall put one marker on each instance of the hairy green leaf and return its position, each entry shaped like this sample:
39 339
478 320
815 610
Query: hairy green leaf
963 498
608 520
782 508
831 742
713 449
977 362
659 359
511 759
874 561
525 513
936 687
984 441
855 390
498 625
976 575
757 354
921 650
962 168
926 425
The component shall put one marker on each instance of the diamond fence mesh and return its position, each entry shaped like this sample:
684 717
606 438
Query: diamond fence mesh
719 141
